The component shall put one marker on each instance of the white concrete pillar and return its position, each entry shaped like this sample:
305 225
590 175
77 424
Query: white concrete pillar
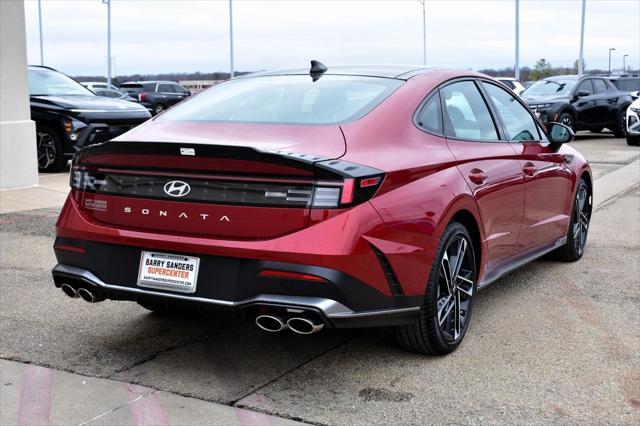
18 157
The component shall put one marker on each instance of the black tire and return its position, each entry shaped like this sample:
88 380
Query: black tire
429 335
158 108
619 128
50 150
567 120
633 140
579 225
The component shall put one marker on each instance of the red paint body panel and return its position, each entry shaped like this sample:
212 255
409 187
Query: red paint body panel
427 181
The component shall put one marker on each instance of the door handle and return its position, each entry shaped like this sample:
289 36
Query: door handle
477 176
529 169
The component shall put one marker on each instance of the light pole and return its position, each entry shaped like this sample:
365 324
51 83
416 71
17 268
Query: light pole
424 31
517 66
40 32
611 49
108 3
231 71
581 58
624 64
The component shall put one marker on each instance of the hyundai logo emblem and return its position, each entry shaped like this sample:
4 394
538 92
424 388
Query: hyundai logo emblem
176 188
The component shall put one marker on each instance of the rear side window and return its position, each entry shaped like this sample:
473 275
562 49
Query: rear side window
508 83
291 99
600 86
149 87
466 115
627 84
519 123
430 117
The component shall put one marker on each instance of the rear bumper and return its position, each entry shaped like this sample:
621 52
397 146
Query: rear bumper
369 277
332 313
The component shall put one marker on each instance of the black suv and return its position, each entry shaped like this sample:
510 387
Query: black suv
155 95
582 103
69 116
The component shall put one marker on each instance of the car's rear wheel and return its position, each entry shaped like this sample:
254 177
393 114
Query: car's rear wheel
446 311
158 108
633 140
579 225
49 148
620 126
567 120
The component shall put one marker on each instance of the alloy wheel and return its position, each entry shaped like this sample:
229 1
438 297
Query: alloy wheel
567 121
456 283
47 150
581 216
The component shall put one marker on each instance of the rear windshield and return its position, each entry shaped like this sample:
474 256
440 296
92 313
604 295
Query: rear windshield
551 87
137 87
286 99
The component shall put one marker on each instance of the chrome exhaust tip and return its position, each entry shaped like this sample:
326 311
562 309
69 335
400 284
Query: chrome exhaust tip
69 290
270 323
303 326
87 295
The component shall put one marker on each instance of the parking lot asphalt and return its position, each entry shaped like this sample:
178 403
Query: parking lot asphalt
550 343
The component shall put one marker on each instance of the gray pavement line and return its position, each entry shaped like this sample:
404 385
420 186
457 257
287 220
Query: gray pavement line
615 198
615 163
144 395
234 403
38 187
155 355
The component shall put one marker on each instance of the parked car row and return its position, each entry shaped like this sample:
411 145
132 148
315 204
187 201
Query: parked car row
583 103
69 116
155 95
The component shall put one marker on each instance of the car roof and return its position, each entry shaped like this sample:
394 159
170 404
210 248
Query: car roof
565 77
402 72
43 66
149 82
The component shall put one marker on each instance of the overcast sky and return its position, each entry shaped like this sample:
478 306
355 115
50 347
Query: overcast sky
152 36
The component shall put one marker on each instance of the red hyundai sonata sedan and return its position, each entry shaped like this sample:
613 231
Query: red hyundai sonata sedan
326 198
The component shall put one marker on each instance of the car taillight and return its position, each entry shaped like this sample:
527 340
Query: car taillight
325 194
142 96
352 191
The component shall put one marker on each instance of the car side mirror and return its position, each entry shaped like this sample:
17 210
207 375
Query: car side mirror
635 95
582 93
559 133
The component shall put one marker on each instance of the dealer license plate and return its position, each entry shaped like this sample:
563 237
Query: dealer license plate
164 271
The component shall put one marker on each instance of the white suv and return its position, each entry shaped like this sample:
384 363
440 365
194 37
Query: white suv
98 85
633 121
513 84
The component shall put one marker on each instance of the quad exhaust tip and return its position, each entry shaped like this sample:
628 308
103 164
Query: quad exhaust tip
69 290
303 326
270 323
87 295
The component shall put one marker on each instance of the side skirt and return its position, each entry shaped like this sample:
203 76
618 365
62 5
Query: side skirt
520 261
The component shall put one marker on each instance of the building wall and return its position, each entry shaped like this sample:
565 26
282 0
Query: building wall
18 158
